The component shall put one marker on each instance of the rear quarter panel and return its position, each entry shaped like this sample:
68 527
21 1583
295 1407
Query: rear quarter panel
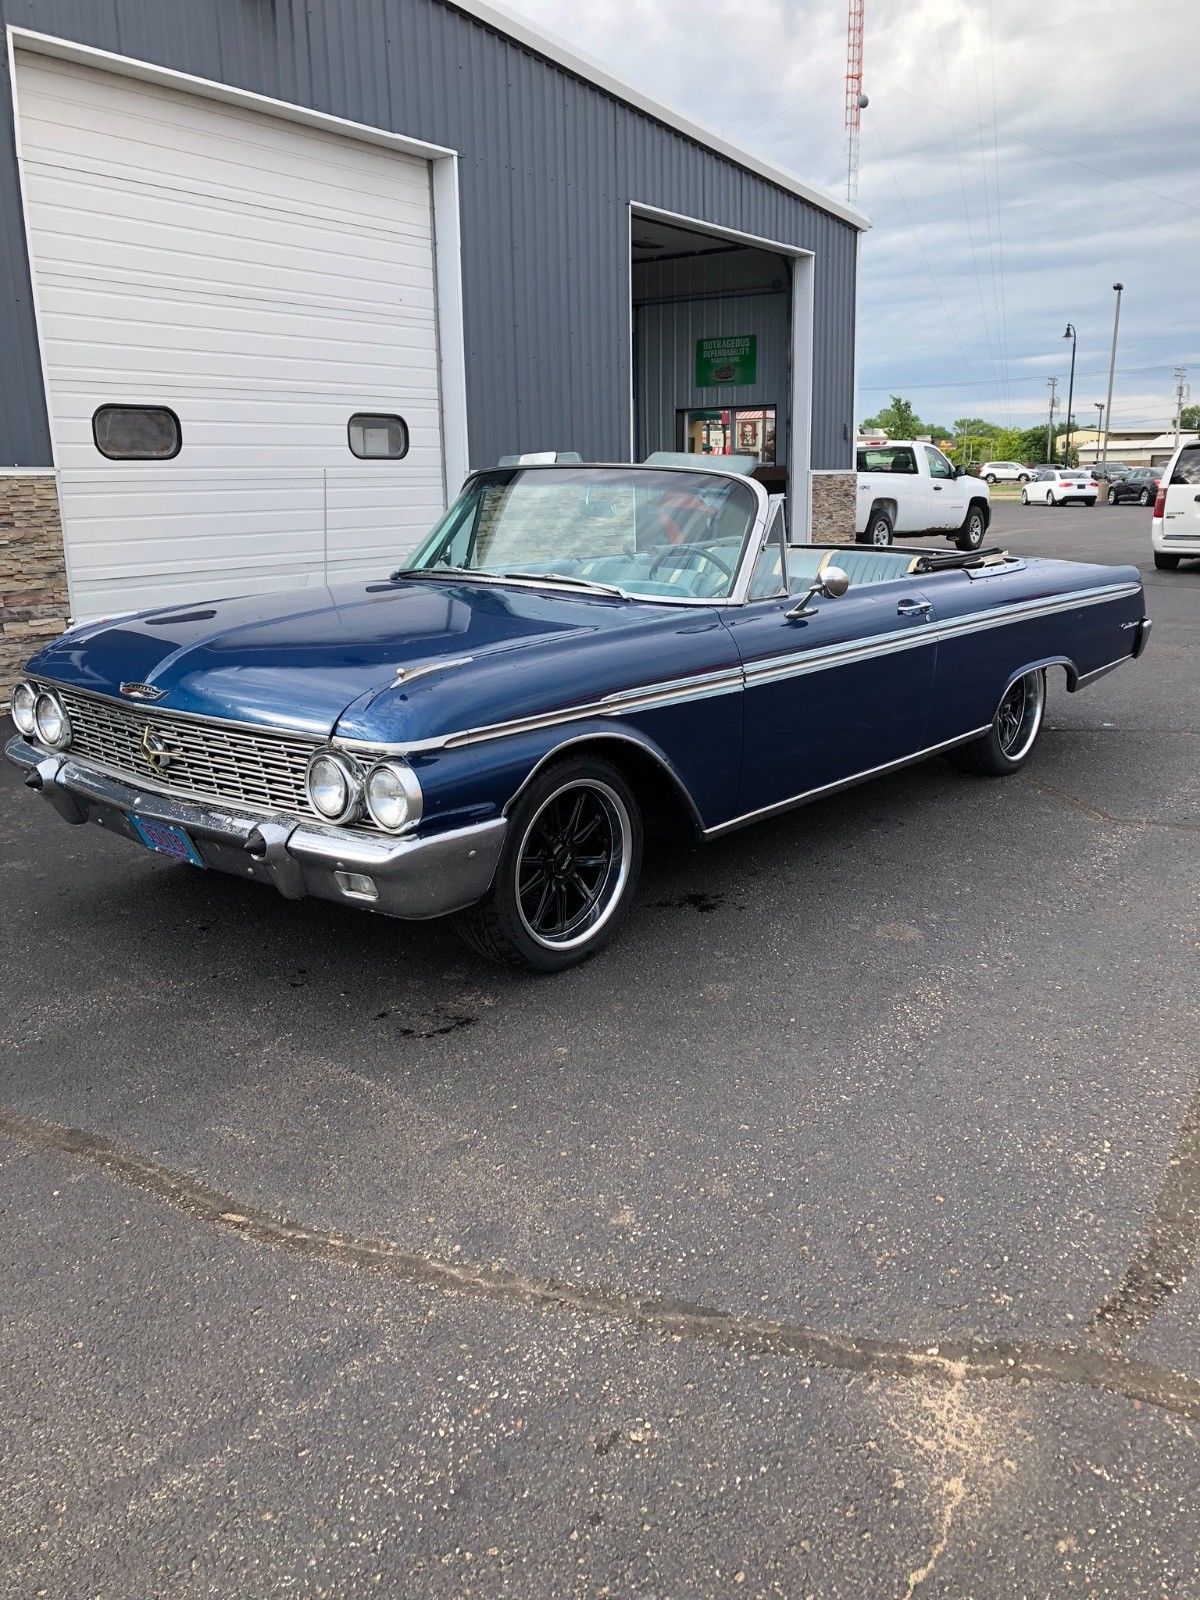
991 629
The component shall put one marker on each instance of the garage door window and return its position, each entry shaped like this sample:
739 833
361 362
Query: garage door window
137 433
378 438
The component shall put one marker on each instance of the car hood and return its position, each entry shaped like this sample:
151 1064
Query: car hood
298 660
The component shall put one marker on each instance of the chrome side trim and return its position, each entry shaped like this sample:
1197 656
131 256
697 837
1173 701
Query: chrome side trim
1085 678
840 783
672 692
776 668
770 669
773 669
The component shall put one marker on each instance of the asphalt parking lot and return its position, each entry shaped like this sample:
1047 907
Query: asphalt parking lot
831 1235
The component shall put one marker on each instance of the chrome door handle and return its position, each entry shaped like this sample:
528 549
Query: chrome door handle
913 608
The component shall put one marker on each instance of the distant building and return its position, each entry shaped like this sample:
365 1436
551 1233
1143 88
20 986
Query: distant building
1135 447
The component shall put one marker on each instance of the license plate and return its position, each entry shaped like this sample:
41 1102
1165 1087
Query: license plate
166 838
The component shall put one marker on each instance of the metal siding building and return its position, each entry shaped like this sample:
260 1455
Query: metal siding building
542 166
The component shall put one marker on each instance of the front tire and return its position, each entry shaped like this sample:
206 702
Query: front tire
1144 498
1165 561
567 872
1009 742
970 535
989 477
1024 497
1112 497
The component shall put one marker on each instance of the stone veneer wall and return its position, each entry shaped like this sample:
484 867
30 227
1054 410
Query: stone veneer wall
33 572
833 507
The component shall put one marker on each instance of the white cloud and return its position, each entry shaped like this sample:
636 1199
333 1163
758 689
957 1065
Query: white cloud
1017 159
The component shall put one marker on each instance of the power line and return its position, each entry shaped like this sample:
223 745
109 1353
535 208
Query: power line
958 380
1071 161
924 257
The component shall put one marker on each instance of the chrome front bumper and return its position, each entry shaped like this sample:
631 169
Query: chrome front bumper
416 878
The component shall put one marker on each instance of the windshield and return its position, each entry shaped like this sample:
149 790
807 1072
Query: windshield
640 532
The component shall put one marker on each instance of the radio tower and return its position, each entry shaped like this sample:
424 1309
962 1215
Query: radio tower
856 100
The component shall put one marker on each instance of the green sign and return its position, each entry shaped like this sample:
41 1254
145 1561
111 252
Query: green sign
727 361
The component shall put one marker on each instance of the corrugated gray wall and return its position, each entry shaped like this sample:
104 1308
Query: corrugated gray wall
677 302
549 166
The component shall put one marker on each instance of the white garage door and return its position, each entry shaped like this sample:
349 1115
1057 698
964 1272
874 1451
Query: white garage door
264 282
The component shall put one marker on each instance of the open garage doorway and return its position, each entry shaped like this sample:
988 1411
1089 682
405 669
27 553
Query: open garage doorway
722 339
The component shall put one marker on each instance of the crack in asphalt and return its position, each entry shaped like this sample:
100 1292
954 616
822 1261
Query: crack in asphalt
1097 815
1008 1361
1171 1247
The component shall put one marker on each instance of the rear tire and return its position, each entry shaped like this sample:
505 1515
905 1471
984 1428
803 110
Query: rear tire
1024 497
1164 561
1144 498
879 530
1009 742
1113 498
567 872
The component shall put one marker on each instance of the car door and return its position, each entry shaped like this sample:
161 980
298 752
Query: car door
1181 502
947 493
834 693
889 472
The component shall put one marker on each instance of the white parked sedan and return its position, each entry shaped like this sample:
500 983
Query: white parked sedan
1004 472
1058 486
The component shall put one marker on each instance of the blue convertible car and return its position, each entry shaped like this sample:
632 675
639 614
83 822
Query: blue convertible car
572 650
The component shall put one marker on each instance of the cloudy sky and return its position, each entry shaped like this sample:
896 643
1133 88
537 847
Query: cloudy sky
1018 157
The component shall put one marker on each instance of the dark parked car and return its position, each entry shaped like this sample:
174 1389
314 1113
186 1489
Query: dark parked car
1140 486
571 649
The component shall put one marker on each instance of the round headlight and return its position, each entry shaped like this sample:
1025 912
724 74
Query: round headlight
53 727
24 697
334 787
394 795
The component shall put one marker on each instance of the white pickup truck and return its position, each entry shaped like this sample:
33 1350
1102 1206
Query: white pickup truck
906 488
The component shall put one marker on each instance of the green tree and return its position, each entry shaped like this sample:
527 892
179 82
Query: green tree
1189 418
898 419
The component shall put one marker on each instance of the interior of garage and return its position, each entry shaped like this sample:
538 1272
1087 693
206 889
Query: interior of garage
712 341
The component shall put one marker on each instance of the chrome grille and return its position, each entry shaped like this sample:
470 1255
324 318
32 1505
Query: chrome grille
241 766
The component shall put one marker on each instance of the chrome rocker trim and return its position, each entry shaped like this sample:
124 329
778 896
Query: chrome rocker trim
415 878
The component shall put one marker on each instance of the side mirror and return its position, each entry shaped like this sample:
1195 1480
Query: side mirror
958 472
830 585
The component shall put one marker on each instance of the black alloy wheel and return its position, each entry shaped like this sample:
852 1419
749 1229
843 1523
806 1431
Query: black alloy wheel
566 875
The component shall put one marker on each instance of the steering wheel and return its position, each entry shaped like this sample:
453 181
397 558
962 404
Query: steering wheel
687 555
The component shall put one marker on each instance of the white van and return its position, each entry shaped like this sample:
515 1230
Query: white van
1175 526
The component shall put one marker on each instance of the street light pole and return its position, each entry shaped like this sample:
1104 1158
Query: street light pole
1112 367
1099 405
1070 334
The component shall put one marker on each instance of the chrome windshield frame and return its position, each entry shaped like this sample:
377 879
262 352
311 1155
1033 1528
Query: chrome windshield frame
751 546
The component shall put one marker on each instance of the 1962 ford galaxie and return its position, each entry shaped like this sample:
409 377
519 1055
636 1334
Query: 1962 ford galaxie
485 731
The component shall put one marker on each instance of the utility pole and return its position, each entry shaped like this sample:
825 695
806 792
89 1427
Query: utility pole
1112 367
1182 395
1052 385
